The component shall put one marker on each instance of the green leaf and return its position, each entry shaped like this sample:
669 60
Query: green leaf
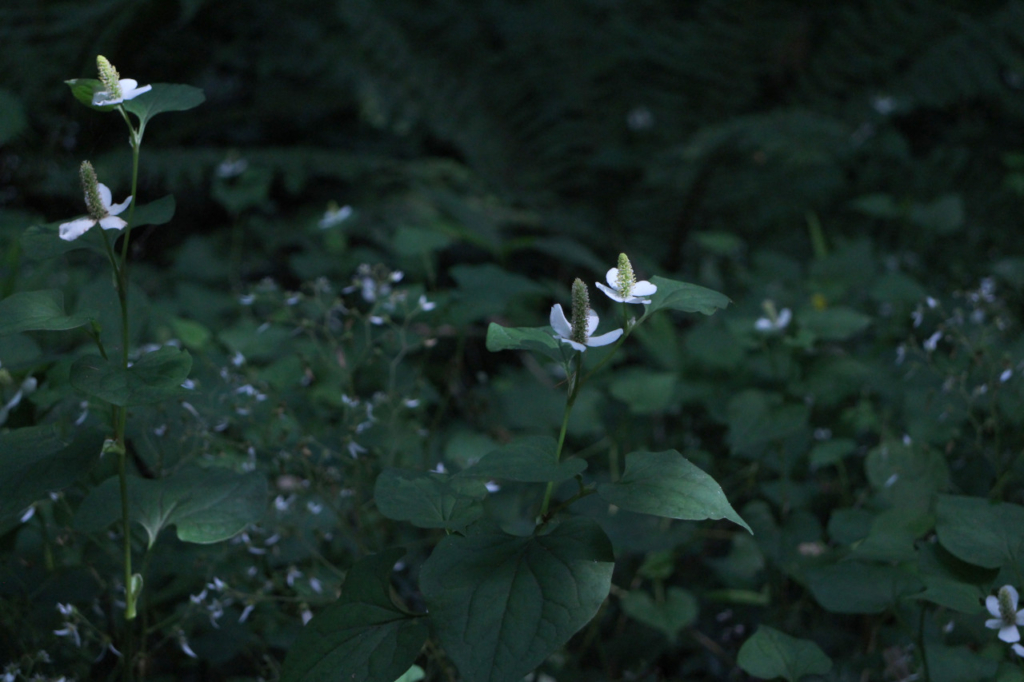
530 459
84 88
668 484
538 339
429 500
362 637
37 460
757 418
164 97
206 505
502 604
770 654
644 391
857 587
951 582
154 377
670 616
688 298
834 324
43 241
960 664
37 311
981 532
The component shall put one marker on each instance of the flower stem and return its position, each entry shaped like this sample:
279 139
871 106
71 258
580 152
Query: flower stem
574 389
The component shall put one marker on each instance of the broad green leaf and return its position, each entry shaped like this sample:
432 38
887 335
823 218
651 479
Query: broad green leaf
960 664
757 418
164 97
689 298
667 484
38 460
670 616
770 654
84 88
857 587
429 500
951 582
834 324
206 505
43 241
37 311
530 459
981 532
902 472
831 451
893 533
502 604
644 391
538 339
154 377
362 637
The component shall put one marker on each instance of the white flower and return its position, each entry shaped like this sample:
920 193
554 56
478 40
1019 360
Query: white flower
1018 649
98 199
776 323
623 286
334 215
563 330
1006 616
115 89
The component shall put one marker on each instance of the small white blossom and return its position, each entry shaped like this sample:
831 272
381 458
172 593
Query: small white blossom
426 305
563 330
932 342
773 322
115 89
334 215
101 211
623 285
1006 616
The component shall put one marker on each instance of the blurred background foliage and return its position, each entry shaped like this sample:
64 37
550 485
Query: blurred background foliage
846 160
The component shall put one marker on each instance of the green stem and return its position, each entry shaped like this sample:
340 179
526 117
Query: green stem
574 389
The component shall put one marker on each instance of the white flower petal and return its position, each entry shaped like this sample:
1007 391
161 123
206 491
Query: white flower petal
612 277
992 604
104 99
112 222
117 209
132 92
610 293
1018 649
128 84
105 196
591 322
1012 591
644 288
578 346
604 339
763 324
558 321
785 315
994 623
1020 617
1009 634
69 232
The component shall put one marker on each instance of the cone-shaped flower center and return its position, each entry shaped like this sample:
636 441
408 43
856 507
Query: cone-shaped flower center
109 77
626 279
1007 609
91 188
580 311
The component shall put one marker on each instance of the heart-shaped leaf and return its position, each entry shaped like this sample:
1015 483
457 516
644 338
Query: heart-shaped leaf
501 604
206 505
770 654
689 298
530 459
678 610
162 98
539 339
37 311
859 587
37 460
362 637
667 484
155 377
429 500
980 532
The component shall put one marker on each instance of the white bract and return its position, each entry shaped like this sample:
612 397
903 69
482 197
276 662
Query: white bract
781 321
109 221
1006 616
563 330
623 286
